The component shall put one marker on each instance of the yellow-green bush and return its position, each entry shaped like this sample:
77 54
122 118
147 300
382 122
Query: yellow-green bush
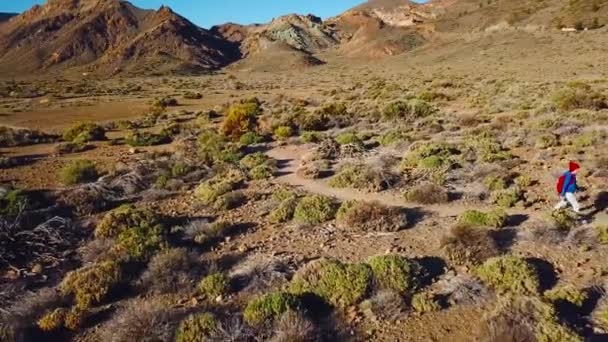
91 284
602 234
507 198
140 139
579 95
337 283
196 328
429 156
425 302
284 211
395 272
78 171
269 306
568 294
214 285
241 118
137 231
509 275
283 132
563 219
495 183
84 132
314 209
404 110
214 147
52 320
360 177
13 202
495 219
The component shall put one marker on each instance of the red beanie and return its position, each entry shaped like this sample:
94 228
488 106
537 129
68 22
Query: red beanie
572 166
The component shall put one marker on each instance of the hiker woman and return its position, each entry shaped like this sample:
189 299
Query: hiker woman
566 187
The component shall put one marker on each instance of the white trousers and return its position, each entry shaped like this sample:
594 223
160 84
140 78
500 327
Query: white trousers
570 198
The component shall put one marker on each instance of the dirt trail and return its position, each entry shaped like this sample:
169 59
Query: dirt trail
289 160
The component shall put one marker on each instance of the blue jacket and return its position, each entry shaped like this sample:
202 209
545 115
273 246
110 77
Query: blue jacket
569 183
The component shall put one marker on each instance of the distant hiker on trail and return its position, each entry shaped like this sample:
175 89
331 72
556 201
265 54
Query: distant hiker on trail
566 187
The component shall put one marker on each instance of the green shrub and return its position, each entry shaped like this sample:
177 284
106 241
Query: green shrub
579 96
425 302
507 198
270 306
214 148
78 171
312 137
371 216
429 156
509 275
360 177
349 138
139 139
230 200
85 132
314 209
241 118
412 109
5 162
392 138
91 284
250 161
487 149
196 328
211 190
162 180
283 132
284 211
494 219
214 285
427 193
394 272
180 170
13 202
138 232
125 125
568 294
495 183
523 181
123 218
250 138
339 284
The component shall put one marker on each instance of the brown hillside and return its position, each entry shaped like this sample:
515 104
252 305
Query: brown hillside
108 36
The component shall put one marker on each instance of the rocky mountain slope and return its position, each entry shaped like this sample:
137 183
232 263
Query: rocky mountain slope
110 36
113 36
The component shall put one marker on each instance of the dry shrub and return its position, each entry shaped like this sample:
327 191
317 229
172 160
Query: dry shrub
170 271
97 249
25 312
468 245
428 193
258 272
371 216
294 327
362 177
523 319
386 305
140 320
461 289
233 329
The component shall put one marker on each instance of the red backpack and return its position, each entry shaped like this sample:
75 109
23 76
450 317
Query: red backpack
560 183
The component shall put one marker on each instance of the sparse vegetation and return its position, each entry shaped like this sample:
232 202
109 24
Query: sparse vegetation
314 209
468 245
196 328
85 132
370 216
214 285
269 306
394 272
494 219
427 193
337 283
509 275
78 171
